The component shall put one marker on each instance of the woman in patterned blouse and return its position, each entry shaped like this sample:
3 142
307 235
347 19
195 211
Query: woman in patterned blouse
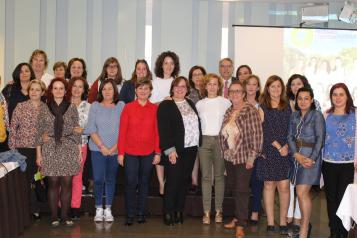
339 154
60 156
23 131
78 87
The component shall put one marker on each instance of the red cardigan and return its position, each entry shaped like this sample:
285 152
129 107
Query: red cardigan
93 92
138 131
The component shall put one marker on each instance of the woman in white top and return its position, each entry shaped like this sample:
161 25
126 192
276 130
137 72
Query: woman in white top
39 62
211 111
167 67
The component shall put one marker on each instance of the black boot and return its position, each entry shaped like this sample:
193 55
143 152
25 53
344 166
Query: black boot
178 217
168 219
129 221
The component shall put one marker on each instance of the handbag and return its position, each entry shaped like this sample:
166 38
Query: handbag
40 187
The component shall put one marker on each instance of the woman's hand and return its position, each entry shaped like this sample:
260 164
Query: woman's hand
157 159
78 130
121 160
299 158
249 165
113 150
80 159
45 137
173 157
308 163
39 160
284 150
104 150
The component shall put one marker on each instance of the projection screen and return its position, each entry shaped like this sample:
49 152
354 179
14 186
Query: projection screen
324 56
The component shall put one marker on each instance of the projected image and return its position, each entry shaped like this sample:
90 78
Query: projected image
325 57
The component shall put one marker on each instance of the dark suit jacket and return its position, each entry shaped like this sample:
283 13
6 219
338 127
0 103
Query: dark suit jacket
127 92
171 127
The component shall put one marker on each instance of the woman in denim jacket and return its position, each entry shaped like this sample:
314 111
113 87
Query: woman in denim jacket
306 139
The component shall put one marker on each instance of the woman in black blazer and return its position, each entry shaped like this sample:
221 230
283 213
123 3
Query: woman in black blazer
180 135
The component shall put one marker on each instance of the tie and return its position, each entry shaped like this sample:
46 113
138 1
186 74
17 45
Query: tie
226 89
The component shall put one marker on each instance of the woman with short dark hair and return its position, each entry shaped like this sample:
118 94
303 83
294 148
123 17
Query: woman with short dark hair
306 139
240 138
180 135
138 149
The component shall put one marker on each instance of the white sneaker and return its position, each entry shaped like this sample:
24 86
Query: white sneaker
99 215
108 217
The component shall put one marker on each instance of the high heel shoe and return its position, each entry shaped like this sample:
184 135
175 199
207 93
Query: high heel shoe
231 224
168 219
178 217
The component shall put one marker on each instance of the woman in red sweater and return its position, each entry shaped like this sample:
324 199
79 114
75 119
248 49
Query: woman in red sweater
138 149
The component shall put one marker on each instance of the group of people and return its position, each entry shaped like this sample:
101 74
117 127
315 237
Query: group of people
260 138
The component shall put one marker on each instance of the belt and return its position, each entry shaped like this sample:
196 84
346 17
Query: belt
300 143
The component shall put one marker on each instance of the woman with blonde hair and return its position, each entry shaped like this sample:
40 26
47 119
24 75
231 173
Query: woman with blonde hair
211 111
22 135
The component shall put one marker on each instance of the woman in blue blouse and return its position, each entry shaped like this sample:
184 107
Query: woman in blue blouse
339 153
306 138
103 128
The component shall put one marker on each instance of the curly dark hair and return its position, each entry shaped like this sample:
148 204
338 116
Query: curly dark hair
304 81
159 72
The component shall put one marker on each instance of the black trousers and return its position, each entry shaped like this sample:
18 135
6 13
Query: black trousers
336 177
178 179
31 169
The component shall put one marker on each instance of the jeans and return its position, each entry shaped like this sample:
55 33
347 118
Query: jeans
257 190
137 177
104 172
177 179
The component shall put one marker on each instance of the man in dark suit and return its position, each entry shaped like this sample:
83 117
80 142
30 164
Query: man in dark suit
226 68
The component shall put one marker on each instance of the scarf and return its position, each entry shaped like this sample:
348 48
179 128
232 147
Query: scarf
58 111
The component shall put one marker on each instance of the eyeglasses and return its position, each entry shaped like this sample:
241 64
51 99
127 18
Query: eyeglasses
112 66
235 91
